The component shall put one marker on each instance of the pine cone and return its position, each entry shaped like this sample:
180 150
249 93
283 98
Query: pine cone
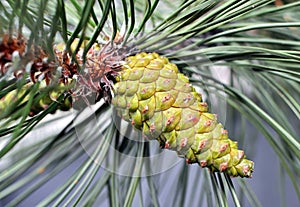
35 61
42 100
156 98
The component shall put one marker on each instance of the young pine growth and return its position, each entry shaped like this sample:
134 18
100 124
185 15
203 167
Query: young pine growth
17 62
156 98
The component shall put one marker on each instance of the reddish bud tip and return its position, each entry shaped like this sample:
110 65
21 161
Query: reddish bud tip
202 144
167 81
246 170
204 104
170 120
193 118
166 98
203 163
223 166
223 147
146 108
241 154
188 98
144 90
224 131
167 145
208 123
152 127
183 142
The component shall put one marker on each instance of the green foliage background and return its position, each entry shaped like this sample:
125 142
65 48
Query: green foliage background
256 42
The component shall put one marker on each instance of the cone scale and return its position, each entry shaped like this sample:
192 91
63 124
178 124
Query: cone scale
156 98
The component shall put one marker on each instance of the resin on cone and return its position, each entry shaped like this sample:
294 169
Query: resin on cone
156 98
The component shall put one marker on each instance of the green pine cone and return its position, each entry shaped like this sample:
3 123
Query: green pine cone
157 99
48 96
